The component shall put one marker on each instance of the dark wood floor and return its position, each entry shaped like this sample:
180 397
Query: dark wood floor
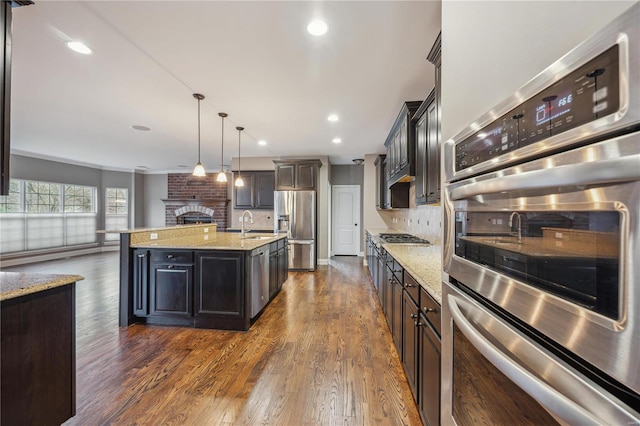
321 354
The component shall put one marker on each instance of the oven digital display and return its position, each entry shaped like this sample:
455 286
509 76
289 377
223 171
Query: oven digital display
586 94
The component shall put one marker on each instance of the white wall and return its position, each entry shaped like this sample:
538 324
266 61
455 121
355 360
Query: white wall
491 48
155 189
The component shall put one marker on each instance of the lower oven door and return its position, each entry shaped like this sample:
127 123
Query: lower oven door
493 373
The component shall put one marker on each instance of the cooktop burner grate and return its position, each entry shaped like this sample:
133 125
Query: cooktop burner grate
401 238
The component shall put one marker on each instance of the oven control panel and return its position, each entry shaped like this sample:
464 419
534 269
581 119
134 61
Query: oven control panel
584 95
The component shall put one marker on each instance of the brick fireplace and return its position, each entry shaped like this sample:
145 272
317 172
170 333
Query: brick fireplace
195 197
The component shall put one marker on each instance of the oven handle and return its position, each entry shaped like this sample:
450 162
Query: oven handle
556 403
594 173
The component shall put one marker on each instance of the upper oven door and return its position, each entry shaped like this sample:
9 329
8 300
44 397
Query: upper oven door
591 93
555 242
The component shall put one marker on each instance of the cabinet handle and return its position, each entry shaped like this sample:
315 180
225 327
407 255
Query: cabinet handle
417 323
170 267
427 310
414 316
408 285
142 255
169 256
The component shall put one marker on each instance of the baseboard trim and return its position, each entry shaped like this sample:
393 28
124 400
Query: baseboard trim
35 258
323 261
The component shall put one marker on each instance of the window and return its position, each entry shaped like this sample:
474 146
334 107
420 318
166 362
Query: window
12 203
116 212
42 215
79 199
41 197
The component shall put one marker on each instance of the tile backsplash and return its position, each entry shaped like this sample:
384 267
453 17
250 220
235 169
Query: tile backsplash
261 219
422 221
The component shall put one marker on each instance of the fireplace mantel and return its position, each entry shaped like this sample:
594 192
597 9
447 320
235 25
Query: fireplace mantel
194 201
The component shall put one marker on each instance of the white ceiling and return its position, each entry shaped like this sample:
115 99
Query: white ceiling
253 60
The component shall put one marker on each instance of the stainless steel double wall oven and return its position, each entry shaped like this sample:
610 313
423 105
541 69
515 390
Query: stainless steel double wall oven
541 307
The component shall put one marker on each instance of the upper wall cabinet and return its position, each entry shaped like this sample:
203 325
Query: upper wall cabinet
5 94
400 146
257 192
433 128
297 175
427 152
389 197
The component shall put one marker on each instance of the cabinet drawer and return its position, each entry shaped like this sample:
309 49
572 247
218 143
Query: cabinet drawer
430 309
170 257
412 287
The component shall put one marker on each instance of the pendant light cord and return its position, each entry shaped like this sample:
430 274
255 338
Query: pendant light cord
198 130
222 157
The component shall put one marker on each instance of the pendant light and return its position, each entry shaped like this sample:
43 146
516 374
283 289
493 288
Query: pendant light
239 181
199 169
222 176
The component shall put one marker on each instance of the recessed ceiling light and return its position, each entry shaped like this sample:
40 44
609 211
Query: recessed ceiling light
333 117
79 47
262 142
141 128
182 166
337 140
317 28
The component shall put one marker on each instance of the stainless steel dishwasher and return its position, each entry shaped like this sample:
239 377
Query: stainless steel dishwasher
259 279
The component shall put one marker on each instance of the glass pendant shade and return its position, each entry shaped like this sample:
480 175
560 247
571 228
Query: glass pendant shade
239 181
199 168
222 176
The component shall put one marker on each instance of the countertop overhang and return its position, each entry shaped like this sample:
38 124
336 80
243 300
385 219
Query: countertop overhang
214 241
17 284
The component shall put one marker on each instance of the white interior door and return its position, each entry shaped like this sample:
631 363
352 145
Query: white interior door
346 219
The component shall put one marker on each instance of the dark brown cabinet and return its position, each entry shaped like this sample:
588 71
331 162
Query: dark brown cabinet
394 197
410 341
298 175
141 283
429 359
171 283
220 295
257 192
400 146
433 131
278 266
5 95
427 181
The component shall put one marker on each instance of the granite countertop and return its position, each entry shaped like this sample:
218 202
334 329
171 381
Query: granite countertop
423 262
546 247
163 228
17 284
213 241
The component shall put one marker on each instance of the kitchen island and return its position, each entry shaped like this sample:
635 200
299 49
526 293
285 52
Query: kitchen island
38 350
188 276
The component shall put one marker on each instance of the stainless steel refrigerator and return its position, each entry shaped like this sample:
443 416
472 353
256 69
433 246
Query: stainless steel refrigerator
295 215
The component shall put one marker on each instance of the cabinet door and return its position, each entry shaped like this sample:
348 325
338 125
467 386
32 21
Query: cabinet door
397 315
285 177
421 159
273 274
243 195
410 341
220 289
429 380
283 266
264 185
140 283
171 290
433 155
306 176
403 149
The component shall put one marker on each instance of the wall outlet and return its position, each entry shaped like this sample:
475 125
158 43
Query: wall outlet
206 237
153 236
206 230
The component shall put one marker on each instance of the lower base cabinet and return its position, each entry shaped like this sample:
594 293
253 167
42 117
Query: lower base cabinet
220 297
198 288
410 341
429 378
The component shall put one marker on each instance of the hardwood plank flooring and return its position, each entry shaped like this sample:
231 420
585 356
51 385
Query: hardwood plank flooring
320 354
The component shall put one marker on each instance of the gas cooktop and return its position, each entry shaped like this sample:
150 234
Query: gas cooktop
402 238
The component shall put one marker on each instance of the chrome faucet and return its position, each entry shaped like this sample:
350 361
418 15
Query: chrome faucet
242 231
510 224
